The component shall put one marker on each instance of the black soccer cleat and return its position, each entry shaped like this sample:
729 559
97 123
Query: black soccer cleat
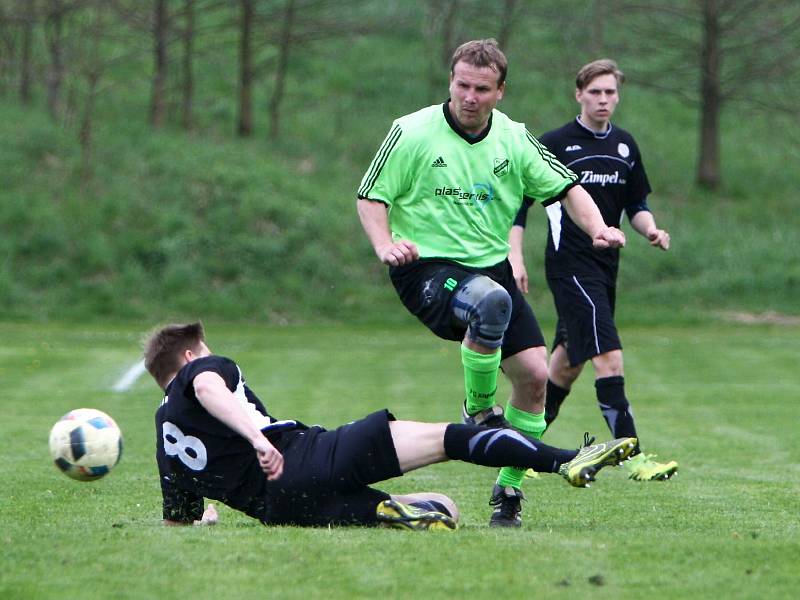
507 502
492 417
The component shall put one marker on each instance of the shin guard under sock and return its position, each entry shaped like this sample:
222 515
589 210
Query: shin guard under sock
554 397
502 447
530 424
615 407
480 378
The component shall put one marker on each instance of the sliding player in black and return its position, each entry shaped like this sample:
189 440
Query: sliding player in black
216 440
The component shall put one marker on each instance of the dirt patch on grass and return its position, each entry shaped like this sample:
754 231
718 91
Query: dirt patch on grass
769 317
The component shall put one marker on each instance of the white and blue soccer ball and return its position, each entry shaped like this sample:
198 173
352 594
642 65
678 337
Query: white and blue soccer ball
85 444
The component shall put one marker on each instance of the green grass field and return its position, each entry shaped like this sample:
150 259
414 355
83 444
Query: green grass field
719 398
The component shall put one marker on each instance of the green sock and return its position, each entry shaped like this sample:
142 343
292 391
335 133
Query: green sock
531 424
480 378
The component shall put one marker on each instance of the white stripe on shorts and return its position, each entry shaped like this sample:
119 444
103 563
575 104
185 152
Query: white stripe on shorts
594 313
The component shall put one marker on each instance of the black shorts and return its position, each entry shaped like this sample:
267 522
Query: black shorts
326 474
426 289
585 308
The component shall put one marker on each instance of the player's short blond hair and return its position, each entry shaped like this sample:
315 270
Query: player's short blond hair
482 53
596 68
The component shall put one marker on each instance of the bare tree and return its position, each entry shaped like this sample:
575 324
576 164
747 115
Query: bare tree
279 86
246 74
187 96
508 19
54 29
158 101
708 164
440 33
712 53
27 11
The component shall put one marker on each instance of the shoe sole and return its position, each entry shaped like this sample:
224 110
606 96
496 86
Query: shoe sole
505 524
612 456
392 514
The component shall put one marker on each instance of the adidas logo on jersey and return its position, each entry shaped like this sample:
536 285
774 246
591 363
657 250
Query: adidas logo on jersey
439 162
572 148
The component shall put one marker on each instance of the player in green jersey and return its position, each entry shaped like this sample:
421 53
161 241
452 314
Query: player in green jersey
437 204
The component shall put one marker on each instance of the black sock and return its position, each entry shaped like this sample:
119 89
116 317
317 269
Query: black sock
615 407
555 395
502 448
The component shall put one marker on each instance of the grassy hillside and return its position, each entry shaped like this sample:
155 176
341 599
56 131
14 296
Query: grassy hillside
205 223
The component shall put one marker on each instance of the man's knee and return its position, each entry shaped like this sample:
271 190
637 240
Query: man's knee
608 364
485 307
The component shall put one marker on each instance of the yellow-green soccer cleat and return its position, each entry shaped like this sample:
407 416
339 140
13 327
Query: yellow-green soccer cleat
531 474
580 470
395 514
642 467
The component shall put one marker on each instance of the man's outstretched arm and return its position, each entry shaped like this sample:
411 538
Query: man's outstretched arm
221 404
584 212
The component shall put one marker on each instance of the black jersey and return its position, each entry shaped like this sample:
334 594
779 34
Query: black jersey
609 167
198 455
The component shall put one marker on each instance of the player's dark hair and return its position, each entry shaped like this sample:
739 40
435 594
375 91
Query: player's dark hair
164 349
604 66
482 53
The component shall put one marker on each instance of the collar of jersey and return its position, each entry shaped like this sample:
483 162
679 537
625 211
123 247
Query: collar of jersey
463 134
592 132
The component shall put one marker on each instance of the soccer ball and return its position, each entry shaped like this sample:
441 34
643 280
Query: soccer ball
85 444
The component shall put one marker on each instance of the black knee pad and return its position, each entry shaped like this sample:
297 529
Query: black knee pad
485 307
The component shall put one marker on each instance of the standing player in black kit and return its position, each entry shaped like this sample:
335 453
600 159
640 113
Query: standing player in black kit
582 279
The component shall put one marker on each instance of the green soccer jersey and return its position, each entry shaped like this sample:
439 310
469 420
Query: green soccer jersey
456 196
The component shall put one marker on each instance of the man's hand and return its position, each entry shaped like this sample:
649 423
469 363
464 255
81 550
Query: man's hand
658 238
210 516
520 272
269 459
398 253
609 237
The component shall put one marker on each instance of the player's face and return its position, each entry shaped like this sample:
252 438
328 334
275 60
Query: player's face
598 101
474 93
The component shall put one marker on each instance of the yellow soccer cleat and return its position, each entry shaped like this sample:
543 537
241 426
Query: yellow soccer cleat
580 471
395 514
642 467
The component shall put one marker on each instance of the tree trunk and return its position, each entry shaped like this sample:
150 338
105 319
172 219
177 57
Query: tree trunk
158 102
246 70
597 40
25 75
281 68
55 72
188 78
708 166
439 33
507 21
85 137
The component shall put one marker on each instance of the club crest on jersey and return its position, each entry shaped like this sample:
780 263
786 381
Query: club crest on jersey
624 150
501 166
